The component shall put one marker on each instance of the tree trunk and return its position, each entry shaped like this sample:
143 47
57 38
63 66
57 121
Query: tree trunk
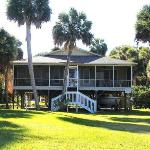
5 91
66 71
30 65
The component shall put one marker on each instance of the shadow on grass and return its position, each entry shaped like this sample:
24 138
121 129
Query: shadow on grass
17 113
112 113
132 120
9 132
133 112
134 128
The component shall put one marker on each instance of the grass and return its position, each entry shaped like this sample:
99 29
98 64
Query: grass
21 130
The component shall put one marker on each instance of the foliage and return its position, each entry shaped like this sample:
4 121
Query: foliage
34 11
140 55
125 52
98 46
10 48
141 96
72 27
143 35
62 103
143 25
1 87
56 48
141 80
148 69
58 130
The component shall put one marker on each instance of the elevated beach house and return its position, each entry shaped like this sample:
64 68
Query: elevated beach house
92 80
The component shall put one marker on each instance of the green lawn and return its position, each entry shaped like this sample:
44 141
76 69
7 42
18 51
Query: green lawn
21 130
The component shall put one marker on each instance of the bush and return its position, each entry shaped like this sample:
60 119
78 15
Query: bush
141 96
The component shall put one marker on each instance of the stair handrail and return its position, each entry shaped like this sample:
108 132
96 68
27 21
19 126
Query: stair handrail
93 104
53 106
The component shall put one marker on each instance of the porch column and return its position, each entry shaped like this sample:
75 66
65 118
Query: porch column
131 75
95 76
125 101
49 102
77 78
13 76
49 76
113 76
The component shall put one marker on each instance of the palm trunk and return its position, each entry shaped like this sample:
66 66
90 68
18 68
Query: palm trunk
66 71
30 65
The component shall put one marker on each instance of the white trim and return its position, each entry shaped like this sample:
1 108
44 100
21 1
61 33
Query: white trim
63 64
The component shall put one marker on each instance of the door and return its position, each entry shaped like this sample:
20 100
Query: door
72 77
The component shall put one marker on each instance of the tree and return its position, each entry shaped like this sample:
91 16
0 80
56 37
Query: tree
143 25
29 12
9 50
98 46
70 28
125 52
140 55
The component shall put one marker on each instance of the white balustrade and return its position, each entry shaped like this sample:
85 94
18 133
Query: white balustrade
76 98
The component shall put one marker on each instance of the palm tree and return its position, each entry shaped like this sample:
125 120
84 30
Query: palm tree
29 12
98 46
70 28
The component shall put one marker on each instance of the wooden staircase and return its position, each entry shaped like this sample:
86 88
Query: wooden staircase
76 99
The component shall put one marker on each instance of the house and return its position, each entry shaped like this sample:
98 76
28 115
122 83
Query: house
90 78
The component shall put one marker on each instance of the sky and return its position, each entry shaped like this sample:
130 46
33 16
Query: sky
113 21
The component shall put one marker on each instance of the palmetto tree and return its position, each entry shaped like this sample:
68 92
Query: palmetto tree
98 46
70 28
29 12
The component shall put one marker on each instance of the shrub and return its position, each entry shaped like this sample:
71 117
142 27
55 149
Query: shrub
141 96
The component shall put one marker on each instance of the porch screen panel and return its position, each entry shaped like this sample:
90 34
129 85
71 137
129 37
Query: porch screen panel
57 75
123 76
104 76
21 75
41 74
87 76
128 73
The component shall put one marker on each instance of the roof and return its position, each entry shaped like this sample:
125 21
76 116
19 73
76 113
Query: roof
78 57
76 52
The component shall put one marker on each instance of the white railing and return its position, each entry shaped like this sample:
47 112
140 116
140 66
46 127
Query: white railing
54 103
78 99
87 103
